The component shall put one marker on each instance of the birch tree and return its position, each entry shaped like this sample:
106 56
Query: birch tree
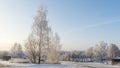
40 27
43 41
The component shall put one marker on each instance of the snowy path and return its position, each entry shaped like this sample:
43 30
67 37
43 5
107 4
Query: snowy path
63 65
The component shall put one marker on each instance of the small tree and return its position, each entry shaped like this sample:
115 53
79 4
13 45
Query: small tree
54 49
17 51
89 52
100 51
113 51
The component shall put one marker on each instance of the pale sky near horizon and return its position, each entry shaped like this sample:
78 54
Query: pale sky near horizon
80 23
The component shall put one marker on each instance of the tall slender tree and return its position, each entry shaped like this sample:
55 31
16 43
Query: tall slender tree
40 27
42 38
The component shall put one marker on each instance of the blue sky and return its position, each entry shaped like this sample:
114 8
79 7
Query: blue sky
80 23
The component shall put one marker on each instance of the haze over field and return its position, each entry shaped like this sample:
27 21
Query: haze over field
80 23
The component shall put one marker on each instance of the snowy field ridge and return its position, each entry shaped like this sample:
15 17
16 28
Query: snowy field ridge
62 65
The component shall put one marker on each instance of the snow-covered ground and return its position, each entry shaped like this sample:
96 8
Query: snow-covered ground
62 65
